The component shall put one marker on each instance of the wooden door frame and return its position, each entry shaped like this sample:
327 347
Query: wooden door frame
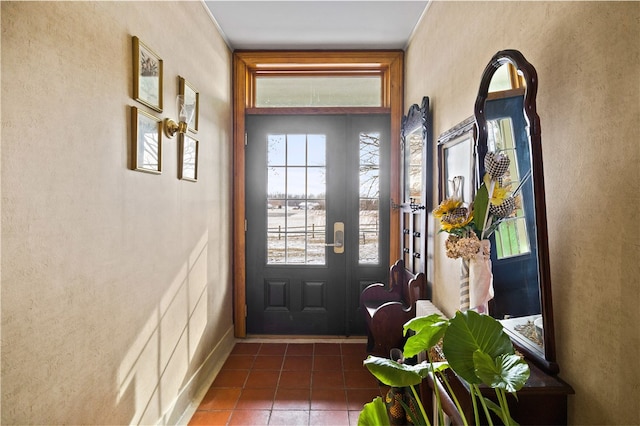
246 64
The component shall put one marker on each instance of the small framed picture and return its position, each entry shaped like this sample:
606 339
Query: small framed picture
188 166
146 138
147 76
456 162
191 97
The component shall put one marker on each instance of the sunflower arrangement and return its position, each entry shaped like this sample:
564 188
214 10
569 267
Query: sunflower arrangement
467 226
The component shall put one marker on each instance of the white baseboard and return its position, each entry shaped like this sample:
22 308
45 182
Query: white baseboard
187 402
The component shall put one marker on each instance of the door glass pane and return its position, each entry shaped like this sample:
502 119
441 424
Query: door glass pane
305 91
296 223
511 235
369 193
296 182
316 150
296 150
277 150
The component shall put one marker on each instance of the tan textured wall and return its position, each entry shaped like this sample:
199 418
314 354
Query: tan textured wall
115 284
587 55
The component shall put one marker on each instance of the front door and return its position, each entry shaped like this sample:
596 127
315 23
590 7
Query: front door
317 221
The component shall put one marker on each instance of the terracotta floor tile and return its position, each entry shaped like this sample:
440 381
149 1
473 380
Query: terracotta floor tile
353 362
256 399
328 399
359 379
331 418
238 362
289 384
220 399
295 380
356 398
298 349
230 379
327 363
327 379
273 349
353 417
268 362
262 379
359 349
246 348
327 349
250 417
290 417
211 418
297 363
292 399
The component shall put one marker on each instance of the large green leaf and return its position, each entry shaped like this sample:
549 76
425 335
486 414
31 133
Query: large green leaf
395 374
374 413
417 324
428 332
497 410
508 372
468 332
480 207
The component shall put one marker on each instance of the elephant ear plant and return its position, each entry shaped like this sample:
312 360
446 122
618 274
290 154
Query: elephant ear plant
475 347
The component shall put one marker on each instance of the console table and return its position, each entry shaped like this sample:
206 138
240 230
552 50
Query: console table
542 400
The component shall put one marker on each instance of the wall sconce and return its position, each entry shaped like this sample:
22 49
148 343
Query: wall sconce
185 116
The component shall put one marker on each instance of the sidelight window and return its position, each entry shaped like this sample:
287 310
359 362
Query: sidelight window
369 210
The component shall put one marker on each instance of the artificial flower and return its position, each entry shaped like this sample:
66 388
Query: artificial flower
468 225
447 206
456 219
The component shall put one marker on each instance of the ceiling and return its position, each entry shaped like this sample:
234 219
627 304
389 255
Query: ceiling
313 25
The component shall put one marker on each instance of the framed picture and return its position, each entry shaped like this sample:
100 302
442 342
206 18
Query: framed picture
146 138
191 97
188 166
456 162
147 76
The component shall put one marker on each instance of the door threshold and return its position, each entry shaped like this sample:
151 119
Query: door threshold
274 338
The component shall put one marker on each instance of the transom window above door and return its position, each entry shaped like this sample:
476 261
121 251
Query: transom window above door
318 91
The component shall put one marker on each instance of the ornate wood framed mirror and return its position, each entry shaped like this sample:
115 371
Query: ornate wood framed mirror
416 180
506 120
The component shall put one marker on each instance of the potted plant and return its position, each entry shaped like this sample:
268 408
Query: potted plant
476 349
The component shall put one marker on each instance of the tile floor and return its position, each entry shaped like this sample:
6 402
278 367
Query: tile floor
290 384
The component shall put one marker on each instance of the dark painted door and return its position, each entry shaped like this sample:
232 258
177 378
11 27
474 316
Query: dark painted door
317 197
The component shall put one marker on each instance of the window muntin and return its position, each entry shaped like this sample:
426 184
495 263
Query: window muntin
296 189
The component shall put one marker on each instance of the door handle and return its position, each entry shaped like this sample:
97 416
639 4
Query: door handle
338 238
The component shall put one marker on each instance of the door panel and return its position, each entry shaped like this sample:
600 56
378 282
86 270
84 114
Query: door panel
304 175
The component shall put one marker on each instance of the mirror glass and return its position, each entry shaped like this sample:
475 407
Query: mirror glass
415 144
506 121
414 139
415 183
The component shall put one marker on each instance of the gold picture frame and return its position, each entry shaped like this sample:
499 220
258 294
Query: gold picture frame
146 142
191 95
147 75
188 166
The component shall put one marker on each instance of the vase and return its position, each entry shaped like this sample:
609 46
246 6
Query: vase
464 284
476 280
